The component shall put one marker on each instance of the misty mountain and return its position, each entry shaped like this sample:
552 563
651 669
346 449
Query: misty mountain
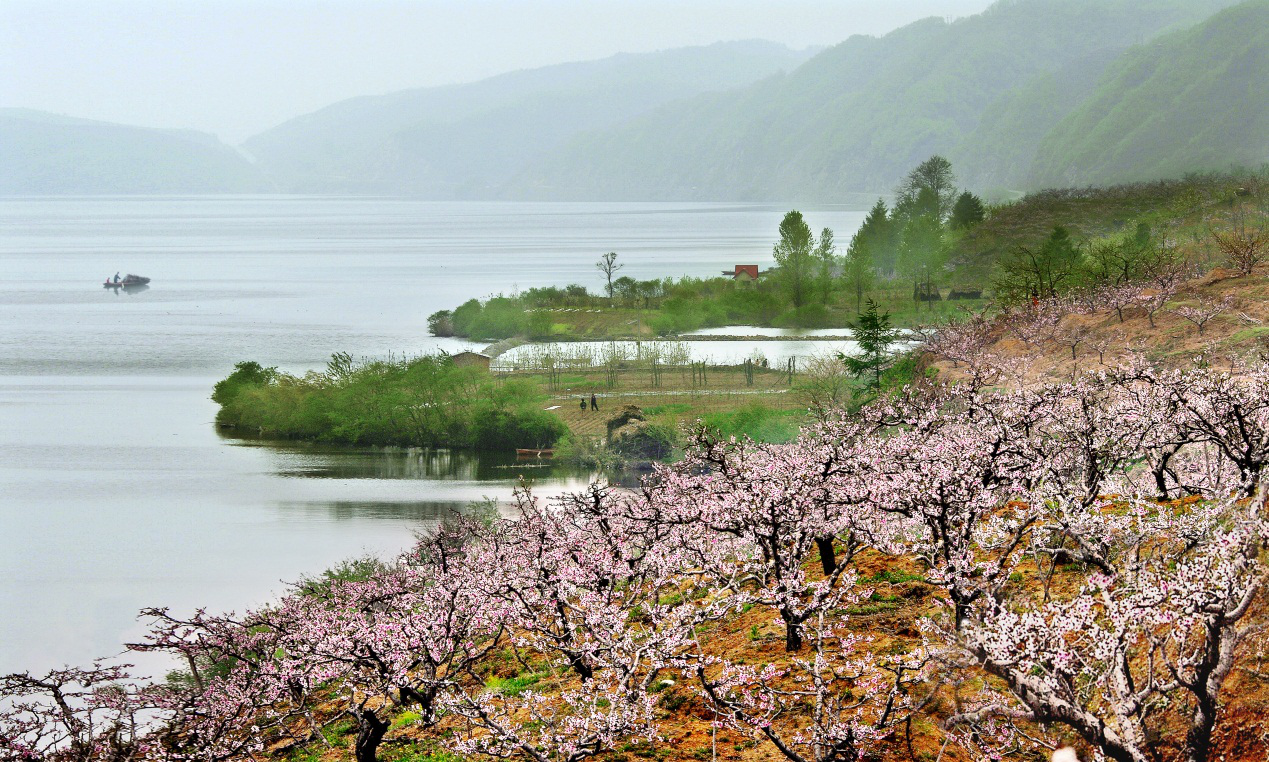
469 140
999 153
857 116
1027 94
1193 100
50 154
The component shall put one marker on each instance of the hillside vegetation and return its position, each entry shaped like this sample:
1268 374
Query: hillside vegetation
49 154
854 117
1025 95
1180 209
1193 100
464 141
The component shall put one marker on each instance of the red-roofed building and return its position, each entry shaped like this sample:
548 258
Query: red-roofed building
744 274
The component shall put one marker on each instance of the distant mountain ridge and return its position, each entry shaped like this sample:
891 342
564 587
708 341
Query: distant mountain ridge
1027 94
469 140
1191 101
859 115
43 153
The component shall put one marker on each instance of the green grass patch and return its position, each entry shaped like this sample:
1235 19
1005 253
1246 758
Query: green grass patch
406 719
671 408
514 686
422 752
758 422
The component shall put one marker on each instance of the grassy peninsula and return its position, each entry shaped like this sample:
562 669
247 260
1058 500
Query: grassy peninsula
423 401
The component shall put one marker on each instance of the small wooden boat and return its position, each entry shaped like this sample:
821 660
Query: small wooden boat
129 280
534 453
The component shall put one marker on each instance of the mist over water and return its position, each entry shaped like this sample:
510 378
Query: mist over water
116 492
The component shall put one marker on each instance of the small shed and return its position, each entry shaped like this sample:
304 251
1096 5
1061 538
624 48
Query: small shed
745 275
469 359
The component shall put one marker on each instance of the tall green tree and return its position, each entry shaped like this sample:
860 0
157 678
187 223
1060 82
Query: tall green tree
794 254
878 235
967 212
826 262
922 254
858 270
874 335
935 177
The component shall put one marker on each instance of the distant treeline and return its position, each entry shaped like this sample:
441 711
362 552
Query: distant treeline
425 401
904 250
682 304
934 242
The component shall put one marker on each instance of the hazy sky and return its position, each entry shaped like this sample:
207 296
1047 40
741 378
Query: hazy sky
236 67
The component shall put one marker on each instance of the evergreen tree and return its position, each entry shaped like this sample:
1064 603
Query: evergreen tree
874 335
878 237
967 212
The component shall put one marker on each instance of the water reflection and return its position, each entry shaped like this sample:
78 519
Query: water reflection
325 461
424 513
127 288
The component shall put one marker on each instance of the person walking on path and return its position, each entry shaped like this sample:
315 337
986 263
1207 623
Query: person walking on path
594 405
583 404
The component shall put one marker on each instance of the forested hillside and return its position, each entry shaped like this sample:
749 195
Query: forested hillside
49 154
1193 100
1029 94
856 116
469 140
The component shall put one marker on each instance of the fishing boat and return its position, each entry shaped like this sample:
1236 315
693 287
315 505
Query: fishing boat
128 280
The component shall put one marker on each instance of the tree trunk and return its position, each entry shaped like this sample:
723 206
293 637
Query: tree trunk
579 665
370 733
828 557
792 632
1198 739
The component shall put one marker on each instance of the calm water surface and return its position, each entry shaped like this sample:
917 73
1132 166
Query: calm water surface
115 490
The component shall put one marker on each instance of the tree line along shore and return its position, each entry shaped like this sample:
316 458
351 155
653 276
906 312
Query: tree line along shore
1135 245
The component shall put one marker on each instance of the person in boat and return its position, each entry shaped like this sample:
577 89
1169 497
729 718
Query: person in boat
116 277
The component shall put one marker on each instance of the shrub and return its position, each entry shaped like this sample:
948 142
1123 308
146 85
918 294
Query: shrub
758 422
246 375
441 323
509 429
423 401
806 316
651 441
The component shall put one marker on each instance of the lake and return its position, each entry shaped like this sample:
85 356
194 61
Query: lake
116 492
